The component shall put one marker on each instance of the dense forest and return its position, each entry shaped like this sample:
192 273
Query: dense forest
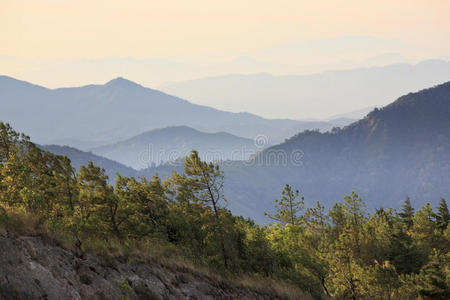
347 252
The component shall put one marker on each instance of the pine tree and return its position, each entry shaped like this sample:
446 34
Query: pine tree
345 254
407 213
95 214
443 215
206 180
403 251
318 240
288 206
425 232
432 280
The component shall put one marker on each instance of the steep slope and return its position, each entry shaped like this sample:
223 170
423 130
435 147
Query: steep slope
94 115
35 268
80 158
166 144
320 95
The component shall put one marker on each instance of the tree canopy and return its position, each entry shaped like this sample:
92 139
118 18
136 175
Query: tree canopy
343 253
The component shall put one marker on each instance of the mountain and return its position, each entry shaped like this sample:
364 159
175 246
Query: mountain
80 158
167 144
352 115
320 95
95 115
400 150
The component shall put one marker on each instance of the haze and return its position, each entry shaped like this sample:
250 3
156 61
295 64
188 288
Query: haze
68 43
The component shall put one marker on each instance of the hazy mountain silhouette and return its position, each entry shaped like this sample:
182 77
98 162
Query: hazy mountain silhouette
94 115
81 158
170 143
399 150
320 95
352 115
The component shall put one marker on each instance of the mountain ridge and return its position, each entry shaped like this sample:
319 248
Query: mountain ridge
80 158
121 109
170 143
400 150
320 94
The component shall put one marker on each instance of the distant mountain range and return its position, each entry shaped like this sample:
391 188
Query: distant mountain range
168 144
94 115
400 150
320 95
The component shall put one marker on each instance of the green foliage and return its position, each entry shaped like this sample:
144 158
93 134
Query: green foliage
288 207
356 256
344 253
407 213
432 282
125 288
443 215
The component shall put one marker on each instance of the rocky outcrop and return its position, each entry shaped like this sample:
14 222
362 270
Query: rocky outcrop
32 268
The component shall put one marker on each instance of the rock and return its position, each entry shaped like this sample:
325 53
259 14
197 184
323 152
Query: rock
31 268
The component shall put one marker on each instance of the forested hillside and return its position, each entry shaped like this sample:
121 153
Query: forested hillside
344 252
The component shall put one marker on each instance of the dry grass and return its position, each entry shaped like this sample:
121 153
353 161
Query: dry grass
262 285
169 257
272 287
17 223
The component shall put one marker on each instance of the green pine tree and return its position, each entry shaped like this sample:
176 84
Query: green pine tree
288 207
407 213
432 280
443 215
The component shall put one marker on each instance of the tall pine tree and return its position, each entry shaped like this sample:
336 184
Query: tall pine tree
407 213
288 206
443 215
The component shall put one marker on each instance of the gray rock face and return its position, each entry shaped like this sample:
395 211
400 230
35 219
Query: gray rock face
31 268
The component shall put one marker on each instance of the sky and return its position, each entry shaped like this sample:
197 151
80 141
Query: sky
64 43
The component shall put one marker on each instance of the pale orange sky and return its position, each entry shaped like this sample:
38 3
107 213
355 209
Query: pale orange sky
59 43
208 28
